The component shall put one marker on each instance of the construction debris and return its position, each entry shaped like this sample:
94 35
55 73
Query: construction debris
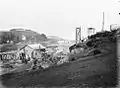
44 59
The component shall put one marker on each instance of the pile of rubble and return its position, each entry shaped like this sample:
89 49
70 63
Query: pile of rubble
96 44
43 62
50 60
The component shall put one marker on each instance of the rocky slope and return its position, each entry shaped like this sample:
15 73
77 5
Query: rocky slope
91 71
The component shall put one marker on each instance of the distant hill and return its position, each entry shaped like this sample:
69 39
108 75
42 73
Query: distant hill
31 36
55 38
59 40
27 36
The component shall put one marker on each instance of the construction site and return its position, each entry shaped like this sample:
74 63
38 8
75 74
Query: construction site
90 62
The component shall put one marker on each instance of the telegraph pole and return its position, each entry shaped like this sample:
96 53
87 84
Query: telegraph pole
103 22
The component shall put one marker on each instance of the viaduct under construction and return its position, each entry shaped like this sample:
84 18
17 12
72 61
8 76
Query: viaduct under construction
78 32
90 30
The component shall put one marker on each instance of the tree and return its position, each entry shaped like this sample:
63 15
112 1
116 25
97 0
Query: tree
8 37
5 37
44 36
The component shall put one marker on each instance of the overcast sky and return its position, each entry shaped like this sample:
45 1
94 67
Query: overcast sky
58 17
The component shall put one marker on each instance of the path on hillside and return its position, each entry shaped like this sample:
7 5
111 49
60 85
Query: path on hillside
76 73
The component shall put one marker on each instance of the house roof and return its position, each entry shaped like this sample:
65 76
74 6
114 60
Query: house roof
36 46
20 46
11 48
8 47
9 52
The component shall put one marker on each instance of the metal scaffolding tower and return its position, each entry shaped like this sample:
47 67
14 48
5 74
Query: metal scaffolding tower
78 34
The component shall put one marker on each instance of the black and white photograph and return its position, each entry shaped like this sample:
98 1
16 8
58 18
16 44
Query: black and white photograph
59 43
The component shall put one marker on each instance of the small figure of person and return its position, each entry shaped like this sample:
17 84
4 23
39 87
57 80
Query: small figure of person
1 59
23 58
34 63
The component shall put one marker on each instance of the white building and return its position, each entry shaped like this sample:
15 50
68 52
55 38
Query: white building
23 37
30 51
37 46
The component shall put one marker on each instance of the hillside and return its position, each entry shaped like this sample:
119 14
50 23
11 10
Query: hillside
90 71
95 71
55 38
31 36
21 35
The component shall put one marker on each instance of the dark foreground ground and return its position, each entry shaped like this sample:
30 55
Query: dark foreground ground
92 72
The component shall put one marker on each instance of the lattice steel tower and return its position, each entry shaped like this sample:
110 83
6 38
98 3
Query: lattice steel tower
78 34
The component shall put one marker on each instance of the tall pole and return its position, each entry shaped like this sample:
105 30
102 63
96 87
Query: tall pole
78 34
103 23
